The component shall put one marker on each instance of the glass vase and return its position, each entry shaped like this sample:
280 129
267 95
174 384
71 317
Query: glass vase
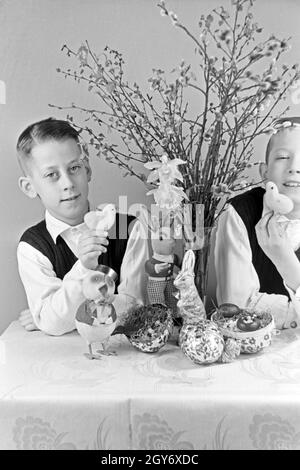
202 257
198 237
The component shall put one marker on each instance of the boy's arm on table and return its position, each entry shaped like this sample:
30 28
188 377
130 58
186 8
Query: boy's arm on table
237 280
133 279
26 320
52 302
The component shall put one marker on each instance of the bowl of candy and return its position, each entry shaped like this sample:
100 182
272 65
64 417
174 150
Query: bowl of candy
253 329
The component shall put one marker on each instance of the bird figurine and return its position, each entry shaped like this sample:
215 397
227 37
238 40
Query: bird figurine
166 171
167 195
96 317
275 201
103 218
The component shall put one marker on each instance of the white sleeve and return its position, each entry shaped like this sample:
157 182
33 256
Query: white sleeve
294 311
53 302
133 276
237 280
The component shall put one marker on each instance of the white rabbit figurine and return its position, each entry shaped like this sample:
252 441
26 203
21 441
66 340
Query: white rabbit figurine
199 339
190 305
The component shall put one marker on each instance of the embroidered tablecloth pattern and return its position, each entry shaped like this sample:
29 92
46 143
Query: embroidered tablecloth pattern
52 397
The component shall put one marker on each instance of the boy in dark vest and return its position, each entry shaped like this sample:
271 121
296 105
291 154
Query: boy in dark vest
257 253
55 254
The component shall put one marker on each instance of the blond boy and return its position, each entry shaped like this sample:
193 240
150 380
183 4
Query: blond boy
55 254
257 252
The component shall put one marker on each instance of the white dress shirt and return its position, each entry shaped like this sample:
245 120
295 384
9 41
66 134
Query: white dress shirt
237 280
53 302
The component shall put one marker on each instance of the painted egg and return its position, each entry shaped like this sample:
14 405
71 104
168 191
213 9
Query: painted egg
202 343
154 342
228 310
152 335
248 324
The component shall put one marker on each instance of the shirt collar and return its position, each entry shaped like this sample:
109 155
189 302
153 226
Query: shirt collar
56 227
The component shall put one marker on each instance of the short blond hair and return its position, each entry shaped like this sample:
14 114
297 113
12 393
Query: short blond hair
278 126
40 132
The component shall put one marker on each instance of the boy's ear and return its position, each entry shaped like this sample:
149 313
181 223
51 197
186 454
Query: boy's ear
89 172
263 170
87 168
26 187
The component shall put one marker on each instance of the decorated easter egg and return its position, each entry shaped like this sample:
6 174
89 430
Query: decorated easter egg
202 343
150 327
151 342
231 351
228 310
248 323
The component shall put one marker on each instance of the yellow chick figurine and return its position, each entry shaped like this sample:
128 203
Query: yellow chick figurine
96 317
277 202
103 218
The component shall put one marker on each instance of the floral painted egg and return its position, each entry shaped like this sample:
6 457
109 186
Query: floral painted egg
203 342
150 327
151 341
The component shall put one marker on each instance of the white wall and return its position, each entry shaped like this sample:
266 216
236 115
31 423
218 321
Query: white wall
32 33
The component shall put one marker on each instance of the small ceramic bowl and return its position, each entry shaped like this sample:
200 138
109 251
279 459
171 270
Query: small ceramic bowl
251 341
155 332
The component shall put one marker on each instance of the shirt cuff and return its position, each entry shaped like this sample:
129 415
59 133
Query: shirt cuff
293 316
78 271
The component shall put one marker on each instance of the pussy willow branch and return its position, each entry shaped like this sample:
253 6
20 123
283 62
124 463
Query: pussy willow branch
146 132
204 121
272 107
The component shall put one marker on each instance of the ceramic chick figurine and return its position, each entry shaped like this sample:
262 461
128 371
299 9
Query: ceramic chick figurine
103 218
160 287
96 317
277 202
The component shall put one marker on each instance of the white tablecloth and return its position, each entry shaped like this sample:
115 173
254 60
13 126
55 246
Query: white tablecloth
51 396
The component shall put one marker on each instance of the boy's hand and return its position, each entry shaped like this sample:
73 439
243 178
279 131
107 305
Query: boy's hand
26 320
274 242
90 246
272 239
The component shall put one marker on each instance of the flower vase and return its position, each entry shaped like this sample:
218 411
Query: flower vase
202 256
198 224
202 264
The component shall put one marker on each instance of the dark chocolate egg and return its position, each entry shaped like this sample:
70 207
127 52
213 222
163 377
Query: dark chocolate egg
248 324
228 310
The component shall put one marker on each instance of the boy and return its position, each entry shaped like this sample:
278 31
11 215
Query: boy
257 253
56 254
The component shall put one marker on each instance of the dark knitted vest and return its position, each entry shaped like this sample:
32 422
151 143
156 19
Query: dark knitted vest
249 206
63 259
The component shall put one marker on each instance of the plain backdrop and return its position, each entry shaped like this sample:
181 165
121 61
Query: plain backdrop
32 33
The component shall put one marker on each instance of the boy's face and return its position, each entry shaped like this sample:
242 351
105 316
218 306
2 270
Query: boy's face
60 178
283 167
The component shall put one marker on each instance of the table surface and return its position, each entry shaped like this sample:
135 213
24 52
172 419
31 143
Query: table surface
51 396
